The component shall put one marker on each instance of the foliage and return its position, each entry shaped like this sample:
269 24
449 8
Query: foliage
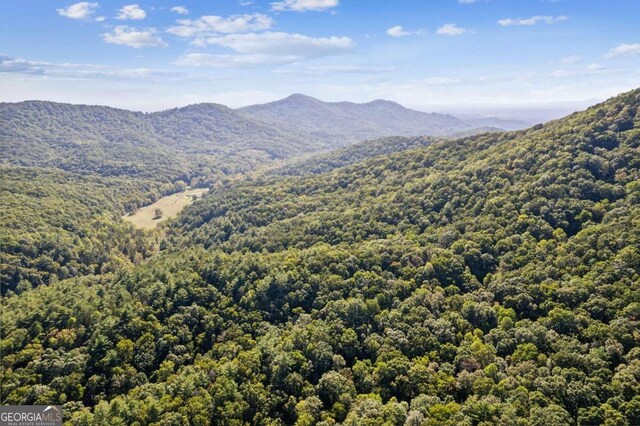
58 225
342 123
487 280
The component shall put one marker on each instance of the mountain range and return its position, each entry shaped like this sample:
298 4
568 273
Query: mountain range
113 142
490 279
341 123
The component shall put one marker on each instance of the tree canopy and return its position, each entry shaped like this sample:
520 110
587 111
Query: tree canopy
493 279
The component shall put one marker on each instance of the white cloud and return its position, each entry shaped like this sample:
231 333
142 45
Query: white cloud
100 18
82 10
74 71
227 61
210 24
270 48
583 72
180 10
303 5
131 11
450 30
532 21
334 69
134 37
571 59
398 31
596 67
9 64
623 49
283 44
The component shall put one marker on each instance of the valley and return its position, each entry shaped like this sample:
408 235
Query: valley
170 205
488 279
320 213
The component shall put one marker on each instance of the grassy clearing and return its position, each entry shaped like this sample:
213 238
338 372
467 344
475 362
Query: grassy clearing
145 217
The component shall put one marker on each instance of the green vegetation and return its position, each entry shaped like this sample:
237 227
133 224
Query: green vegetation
114 142
150 216
488 280
58 225
70 171
322 163
342 123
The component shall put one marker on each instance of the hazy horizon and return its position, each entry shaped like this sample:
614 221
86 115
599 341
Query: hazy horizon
467 54
543 112
186 241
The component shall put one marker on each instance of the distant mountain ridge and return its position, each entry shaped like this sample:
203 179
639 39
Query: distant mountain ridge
493 279
355 153
116 142
208 137
110 141
342 123
478 121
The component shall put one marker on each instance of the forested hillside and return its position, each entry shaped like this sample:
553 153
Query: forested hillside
70 171
114 142
488 280
342 123
79 154
324 162
57 225
212 128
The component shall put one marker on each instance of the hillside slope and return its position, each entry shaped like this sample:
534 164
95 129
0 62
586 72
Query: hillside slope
578 145
357 152
70 171
79 138
114 142
213 128
487 280
343 122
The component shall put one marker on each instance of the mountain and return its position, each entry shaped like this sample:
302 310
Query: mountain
586 146
115 142
106 162
486 280
493 279
98 139
496 122
324 162
219 129
71 170
341 123
201 139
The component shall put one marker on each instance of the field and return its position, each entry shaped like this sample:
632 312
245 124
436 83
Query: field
170 205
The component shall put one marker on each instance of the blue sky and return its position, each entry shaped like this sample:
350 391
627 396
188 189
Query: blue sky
426 54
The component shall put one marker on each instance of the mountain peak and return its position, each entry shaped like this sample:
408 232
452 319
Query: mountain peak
300 96
385 102
204 106
299 99
340 123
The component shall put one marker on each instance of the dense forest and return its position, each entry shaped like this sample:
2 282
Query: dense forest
492 279
324 162
58 225
70 171
339 123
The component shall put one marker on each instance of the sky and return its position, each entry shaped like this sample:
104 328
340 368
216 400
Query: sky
424 54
